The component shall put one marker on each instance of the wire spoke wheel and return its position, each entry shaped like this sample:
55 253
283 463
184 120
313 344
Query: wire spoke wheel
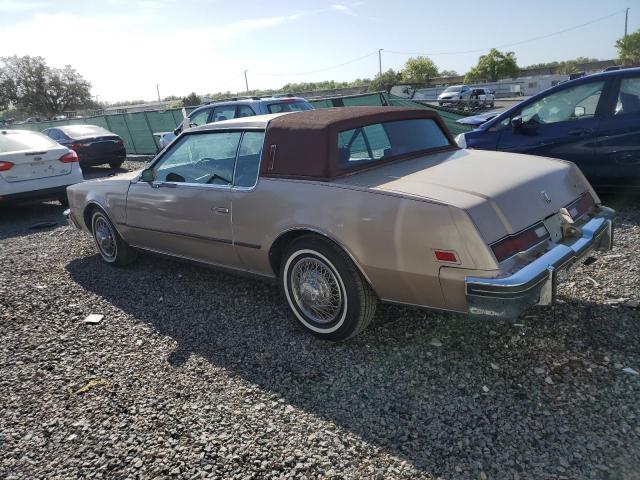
105 238
316 290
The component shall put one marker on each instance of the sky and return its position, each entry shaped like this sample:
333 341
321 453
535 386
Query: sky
126 47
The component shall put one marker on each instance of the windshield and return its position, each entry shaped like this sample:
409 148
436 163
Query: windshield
289 106
382 141
81 131
453 89
14 141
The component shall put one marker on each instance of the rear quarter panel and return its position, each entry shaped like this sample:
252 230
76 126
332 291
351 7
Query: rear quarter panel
390 237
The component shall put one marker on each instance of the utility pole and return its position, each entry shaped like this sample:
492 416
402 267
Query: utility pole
626 21
158 90
380 60
246 82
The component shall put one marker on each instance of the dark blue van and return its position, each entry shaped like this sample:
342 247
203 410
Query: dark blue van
593 121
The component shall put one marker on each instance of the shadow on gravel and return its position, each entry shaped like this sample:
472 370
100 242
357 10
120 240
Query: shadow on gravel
25 219
493 397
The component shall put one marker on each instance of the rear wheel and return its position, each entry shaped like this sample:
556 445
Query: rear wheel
113 249
116 164
325 290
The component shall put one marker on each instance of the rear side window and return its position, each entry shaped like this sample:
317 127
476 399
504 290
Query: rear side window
387 140
629 96
15 141
288 106
248 163
81 131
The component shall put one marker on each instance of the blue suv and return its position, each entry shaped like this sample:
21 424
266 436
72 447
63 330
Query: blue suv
593 121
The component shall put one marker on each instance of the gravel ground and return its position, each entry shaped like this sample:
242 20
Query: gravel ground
194 373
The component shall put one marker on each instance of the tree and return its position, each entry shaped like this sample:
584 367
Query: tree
419 70
447 73
493 66
191 100
385 81
629 48
32 86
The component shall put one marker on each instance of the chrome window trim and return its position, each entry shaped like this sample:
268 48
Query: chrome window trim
155 162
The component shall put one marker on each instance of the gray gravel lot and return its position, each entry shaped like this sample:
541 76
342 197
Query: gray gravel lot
194 373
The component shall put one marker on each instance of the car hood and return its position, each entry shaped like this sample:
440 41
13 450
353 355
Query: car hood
502 192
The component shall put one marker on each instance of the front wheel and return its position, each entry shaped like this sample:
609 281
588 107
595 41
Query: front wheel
325 290
113 249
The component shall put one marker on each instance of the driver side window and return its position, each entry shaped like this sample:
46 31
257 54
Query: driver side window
200 118
204 158
569 104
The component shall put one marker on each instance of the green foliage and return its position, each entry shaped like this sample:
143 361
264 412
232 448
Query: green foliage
447 73
31 86
629 48
385 81
493 66
567 66
419 70
191 100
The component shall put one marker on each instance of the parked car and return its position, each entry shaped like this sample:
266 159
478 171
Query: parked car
34 167
454 94
593 121
482 97
238 108
346 206
32 120
94 145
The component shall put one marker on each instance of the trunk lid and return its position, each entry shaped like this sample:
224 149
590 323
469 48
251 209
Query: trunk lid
99 147
502 192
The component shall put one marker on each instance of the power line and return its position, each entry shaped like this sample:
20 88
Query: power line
533 39
320 69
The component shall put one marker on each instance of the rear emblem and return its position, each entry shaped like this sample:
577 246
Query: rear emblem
546 196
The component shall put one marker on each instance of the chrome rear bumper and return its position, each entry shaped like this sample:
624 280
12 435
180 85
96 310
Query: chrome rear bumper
535 284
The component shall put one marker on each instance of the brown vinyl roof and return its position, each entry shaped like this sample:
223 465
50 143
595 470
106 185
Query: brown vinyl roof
305 144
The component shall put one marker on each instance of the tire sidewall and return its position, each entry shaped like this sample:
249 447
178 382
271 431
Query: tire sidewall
347 321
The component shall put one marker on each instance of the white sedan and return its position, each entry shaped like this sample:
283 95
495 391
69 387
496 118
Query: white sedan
34 167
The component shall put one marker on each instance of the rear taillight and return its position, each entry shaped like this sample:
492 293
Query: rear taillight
119 141
584 204
520 242
71 157
4 166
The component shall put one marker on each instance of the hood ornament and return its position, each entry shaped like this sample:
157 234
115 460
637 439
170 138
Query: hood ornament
545 196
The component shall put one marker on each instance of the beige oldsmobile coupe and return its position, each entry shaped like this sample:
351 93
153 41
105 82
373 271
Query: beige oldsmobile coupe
349 206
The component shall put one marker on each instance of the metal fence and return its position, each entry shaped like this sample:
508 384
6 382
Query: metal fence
137 129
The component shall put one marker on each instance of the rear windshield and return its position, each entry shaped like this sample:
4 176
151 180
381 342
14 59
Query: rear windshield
80 131
15 141
389 139
288 106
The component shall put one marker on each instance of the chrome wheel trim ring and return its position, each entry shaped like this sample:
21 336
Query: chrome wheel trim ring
105 238
298 258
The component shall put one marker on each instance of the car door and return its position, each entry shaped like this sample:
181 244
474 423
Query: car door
618 140
562 124
186 210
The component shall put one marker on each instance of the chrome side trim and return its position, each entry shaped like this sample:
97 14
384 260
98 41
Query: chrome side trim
181 234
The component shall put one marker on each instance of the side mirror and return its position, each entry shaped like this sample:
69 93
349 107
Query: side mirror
147 176
516 123
579 111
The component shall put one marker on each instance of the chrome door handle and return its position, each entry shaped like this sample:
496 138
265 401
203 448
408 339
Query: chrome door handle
221 210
